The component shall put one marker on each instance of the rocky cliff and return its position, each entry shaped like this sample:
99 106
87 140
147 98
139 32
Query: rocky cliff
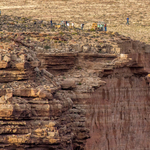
73 90
34 112
118 112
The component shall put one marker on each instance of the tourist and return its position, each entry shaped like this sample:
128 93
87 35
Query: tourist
51 22
82 25
68 24
98 25
72 25
101 27
127 21
105 27
63 23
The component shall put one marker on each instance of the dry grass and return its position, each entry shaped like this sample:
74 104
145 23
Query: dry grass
113 12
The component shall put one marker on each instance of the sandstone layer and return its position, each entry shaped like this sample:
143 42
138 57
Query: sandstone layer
73 90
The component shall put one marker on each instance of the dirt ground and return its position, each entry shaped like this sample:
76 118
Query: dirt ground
113 12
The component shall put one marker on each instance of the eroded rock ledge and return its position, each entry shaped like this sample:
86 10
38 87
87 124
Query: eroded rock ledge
34 112
46 98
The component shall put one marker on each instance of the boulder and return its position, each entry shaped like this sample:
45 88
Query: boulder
86 48
22 57
68 84
3 64
14 57
47 73
6 58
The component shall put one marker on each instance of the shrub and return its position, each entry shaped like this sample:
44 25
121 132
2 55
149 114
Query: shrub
78 68
74 33
61 33
46 47
92 30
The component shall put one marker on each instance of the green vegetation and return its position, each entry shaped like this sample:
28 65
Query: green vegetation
92 30
61 33
74 33
47 47
78 68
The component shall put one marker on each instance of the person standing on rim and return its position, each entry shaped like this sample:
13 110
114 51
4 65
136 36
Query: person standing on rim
51 22
68 24
72 24
82 25
105 27
127 21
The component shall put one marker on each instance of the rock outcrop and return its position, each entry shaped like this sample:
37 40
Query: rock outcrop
73 92
118 112
34 112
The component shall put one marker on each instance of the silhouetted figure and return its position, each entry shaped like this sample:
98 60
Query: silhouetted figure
127 21
51 22
82 25
72 24
105 27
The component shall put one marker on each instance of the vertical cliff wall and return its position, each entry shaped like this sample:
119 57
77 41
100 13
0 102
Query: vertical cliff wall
118 114
117 110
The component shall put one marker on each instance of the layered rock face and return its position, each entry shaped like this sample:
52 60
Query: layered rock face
117 106
34 112
118 112
53 99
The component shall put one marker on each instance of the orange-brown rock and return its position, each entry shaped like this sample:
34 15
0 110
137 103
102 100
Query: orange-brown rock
57 61
54 99
3 64
8 76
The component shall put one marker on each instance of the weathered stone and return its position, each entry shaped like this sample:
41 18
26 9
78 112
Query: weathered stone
3 64
35 63
8 76
31 92
86 48
68 84
107 93
22 65
29 57
14 57
6 58
47 73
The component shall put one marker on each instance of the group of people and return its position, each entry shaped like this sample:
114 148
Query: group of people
66 23
102 26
